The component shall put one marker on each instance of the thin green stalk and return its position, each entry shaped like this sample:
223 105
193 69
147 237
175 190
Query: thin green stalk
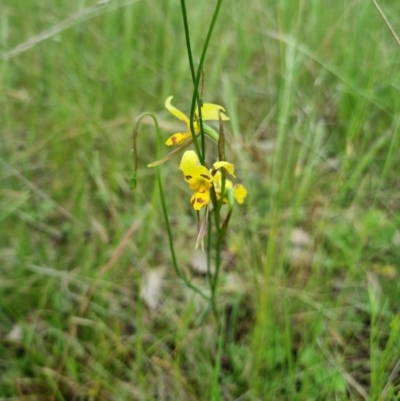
203 56
218 247
223 184
215 386
221 154
196 97
221 233
170 239
209 273
162 197
192 71
214 201
187 37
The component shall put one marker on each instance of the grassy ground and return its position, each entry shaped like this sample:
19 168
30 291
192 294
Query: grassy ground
309 290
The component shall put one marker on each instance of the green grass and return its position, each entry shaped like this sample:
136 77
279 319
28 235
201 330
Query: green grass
309 288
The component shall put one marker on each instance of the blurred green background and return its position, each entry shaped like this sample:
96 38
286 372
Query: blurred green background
90 307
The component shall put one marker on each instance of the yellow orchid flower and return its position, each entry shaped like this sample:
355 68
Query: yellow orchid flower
198 178
209 111
239 191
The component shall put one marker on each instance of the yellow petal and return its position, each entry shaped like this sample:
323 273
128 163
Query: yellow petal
177 138
229 167
198 178
189 161
177 113
217 182
210 111
195 174
240 193
200 198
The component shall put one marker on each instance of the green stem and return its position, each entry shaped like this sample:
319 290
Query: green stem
192 71
170 238
197 77
209 272
195 97
215 383
187 37
221 233
162 198
223 183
